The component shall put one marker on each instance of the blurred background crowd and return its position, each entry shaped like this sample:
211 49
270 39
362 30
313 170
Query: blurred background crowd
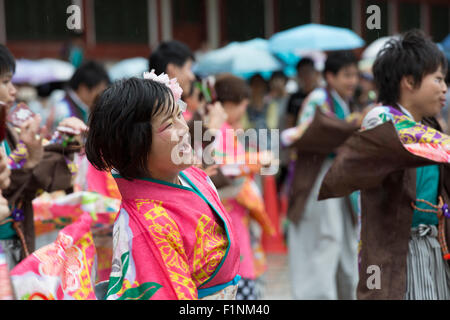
278 47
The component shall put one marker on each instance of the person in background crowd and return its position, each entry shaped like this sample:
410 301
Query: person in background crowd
195 101
276 101
5 181
365 94
73 50
308 80
241 198
33 167
323 235
445 110
395 161
256 112
175 59
88 81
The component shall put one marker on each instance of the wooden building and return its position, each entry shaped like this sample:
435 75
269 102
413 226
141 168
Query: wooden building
126 28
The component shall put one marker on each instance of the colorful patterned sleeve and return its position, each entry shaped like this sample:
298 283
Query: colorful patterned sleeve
418 139
315 99
150 264
64 140
375 117
18 157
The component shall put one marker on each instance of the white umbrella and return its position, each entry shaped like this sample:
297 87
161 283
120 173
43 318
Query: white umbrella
61 70
37 72
372 50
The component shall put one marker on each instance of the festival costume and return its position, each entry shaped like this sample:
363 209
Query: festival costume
70 106
401 168
322 235
53 172
170 242
179 239
244 203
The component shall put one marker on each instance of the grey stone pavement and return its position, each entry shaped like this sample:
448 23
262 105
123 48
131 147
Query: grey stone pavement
276 279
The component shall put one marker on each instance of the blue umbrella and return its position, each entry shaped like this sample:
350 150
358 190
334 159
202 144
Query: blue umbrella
127 68
290 59
315 37
257 43
239 58
445 46
446 42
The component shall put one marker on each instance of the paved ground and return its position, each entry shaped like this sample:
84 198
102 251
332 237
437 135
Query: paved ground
277 284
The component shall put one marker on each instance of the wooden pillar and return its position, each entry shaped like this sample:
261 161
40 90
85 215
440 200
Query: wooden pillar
153 25
213 19
166 19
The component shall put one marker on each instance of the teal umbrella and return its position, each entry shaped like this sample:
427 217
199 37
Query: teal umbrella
315 37
239 58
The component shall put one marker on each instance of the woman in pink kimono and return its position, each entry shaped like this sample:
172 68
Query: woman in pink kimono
172 238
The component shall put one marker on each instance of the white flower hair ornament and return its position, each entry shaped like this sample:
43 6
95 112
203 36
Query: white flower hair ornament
172 84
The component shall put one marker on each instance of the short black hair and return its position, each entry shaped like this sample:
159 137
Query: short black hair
173 51
258 77
306 61
90 73
278 74
120 128
412 54
7 61
337 60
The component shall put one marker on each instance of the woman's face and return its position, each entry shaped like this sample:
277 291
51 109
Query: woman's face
7 90
171 150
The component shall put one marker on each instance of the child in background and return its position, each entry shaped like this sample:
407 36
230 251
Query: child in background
33 167
241 198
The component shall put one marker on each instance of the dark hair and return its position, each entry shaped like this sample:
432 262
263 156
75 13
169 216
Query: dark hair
413 54
258 77
90 74
306 61
7 61
167 52
120 129
337 60
278 74
231 88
